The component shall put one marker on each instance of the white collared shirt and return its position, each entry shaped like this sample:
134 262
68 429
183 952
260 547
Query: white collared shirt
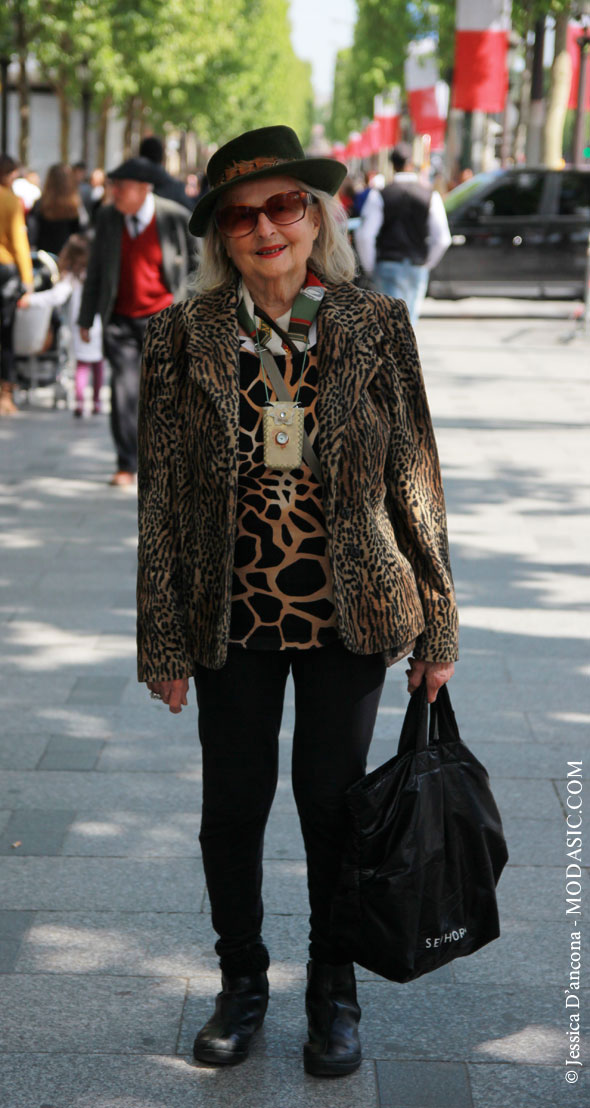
144 216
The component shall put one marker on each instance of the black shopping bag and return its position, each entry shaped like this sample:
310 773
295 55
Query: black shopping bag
424 853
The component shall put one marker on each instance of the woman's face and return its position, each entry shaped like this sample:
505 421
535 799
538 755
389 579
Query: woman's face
271 252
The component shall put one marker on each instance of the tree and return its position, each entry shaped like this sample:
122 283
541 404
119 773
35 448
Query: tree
375 61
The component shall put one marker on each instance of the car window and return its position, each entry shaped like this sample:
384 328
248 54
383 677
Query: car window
467 191
574 198
518 195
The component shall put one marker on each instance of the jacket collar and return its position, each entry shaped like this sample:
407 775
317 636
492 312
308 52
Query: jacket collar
348 335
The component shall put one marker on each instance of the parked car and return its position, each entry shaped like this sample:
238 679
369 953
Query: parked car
517 232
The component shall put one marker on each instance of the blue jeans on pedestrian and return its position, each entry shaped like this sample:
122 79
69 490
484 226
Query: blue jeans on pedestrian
405 282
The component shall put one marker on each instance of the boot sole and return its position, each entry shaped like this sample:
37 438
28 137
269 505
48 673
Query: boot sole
214 1057
329 1067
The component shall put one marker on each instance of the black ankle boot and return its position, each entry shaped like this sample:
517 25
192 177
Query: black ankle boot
333 1017
240 1008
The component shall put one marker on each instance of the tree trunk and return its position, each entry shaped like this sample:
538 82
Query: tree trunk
129 132
559 91
524 107
23 85
24 111
64 124
534 138
103 127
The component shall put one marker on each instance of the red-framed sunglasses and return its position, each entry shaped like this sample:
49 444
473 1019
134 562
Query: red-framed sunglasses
237 220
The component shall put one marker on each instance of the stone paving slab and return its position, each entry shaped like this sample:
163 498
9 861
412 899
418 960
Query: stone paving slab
525 1086
516 1023
134 834
105 1081
533 842
531 892
106 884
423 1084
111 943
65 752
529 951
14 926
21 751
90 1014
37 832
94 792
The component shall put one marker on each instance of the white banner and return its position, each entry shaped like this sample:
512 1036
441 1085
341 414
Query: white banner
421 65
483 15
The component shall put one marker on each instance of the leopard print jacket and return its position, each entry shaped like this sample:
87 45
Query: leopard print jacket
382 492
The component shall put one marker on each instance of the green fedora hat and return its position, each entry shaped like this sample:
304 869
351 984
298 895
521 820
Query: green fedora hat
266 152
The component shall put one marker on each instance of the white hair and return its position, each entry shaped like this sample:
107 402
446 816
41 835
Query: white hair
332 256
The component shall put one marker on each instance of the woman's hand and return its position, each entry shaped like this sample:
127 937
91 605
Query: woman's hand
173 693
85 336
436 673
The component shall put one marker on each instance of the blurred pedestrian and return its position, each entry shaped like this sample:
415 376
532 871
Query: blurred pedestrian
403 233
67 291
59 212
80 171
16 276
165 184
291 518
26 188
139 263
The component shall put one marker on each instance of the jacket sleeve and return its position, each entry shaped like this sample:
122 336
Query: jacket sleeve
414 493
91 292
162 649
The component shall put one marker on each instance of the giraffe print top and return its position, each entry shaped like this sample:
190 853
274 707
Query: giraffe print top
282 582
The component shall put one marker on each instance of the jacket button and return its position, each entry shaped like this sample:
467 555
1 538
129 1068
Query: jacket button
352 551
345 511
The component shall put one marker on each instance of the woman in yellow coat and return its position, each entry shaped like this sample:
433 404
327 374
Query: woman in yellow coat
16 275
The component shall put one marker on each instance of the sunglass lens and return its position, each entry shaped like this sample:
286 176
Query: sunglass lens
236 220
286 207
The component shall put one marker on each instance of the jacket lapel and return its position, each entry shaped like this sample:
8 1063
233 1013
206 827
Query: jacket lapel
348 335
212 350
347 338
167 242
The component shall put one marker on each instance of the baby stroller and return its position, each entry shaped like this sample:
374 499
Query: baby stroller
41 339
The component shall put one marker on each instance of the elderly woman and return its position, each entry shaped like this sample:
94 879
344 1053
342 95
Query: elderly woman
291 520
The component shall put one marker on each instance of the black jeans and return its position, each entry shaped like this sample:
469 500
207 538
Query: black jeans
240 707
11 290
123 341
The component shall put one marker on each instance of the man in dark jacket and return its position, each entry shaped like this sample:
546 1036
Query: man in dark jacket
140 261
165 185
403 233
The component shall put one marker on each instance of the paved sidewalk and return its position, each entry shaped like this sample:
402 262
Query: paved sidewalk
105 940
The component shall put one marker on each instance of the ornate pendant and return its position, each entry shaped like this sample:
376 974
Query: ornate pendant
283 434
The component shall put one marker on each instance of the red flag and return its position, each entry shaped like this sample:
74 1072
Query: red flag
480 80
390 130
574 30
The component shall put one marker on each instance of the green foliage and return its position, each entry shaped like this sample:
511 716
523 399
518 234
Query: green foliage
383 30
206 65
376 59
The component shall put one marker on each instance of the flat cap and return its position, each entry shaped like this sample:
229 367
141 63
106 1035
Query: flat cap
137 169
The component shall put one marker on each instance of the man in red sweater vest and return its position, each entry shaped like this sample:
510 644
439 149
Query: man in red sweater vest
140 260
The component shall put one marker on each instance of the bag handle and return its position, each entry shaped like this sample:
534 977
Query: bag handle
423 728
